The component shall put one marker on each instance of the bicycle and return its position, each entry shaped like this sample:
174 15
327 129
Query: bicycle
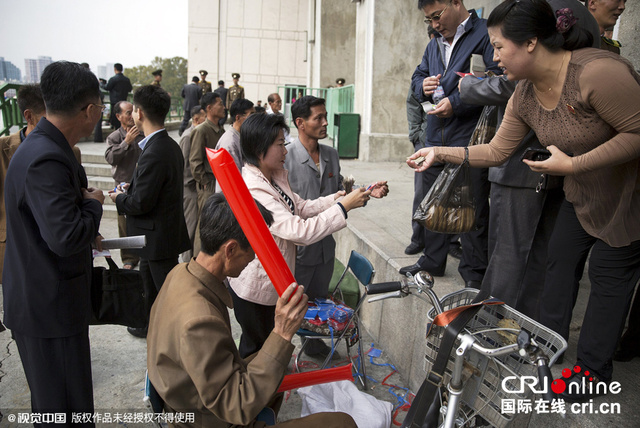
491 355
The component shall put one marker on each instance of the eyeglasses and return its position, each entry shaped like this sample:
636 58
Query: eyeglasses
435 17
102 106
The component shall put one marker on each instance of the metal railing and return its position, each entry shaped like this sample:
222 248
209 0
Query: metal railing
338 100
9 110
11 116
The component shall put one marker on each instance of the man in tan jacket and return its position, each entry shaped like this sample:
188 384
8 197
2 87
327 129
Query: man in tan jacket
192 359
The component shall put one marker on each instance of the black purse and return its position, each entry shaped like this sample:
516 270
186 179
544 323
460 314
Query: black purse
117 296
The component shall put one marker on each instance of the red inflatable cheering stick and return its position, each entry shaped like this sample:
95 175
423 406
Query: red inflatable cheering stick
265 247
250 219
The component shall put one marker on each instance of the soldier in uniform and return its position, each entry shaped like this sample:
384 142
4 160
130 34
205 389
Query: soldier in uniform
236 91
340 82
206 86
157 78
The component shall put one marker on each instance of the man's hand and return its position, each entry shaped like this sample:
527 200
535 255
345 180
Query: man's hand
422 159
443 109
290 310
97 244
132 133
429 84
93 193
558 164
379 189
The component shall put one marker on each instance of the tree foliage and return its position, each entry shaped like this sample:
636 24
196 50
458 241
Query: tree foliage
174 74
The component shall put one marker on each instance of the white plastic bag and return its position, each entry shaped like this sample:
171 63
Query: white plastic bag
344 396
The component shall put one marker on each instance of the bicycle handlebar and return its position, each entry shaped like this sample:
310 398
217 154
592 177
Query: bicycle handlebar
384 287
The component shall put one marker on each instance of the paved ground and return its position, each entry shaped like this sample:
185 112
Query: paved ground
119 359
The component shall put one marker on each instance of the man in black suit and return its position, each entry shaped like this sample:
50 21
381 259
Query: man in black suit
153 200
191 94
119 87
52 219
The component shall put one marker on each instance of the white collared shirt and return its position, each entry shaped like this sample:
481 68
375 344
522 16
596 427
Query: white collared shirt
143 143
448 48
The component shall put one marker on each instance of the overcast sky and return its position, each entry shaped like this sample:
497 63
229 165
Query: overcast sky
131 32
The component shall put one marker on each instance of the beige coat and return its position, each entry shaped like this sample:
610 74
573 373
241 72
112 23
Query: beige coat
193 361
311 221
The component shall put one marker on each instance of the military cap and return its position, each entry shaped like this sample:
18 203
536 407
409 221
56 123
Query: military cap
235 75
340 81
157 73
203 72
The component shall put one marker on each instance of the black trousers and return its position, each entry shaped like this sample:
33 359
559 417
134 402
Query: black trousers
474 244
613 273
58 371
153 273
185 121
256 322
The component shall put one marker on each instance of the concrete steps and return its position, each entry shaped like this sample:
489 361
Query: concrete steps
99 173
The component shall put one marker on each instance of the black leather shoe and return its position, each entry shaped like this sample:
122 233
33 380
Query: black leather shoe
415 268
624 354
413 249
581 388
138 332
472 284
455 251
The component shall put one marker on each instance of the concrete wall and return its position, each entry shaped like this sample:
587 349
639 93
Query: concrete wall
264 41
338 35
390 41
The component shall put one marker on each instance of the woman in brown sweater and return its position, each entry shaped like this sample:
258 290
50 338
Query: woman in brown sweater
583 106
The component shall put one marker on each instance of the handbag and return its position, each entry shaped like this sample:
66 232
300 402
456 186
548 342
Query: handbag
117 296
448 207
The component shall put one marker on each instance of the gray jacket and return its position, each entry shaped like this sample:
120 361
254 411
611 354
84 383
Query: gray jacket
307 182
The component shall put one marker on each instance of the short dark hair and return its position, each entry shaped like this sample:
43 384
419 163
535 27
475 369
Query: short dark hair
67 86
196 110
524 20
208 99
302 107
260 110
30 97
117 109
220 82
195 79
423 3
154 101
218 224
239 107
118 67
258 133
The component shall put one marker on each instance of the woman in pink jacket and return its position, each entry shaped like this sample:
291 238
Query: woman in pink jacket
297 221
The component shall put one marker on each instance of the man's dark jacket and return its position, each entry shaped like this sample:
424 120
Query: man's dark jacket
457 129
119 87
191 94
153 203
50 228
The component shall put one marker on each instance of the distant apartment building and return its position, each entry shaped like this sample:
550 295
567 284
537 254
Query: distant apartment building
9 72
35 67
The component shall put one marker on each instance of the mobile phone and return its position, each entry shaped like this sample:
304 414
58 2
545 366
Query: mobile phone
536 155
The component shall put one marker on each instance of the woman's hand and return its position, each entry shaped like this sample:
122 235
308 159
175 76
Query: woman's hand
558 164
356 199
422 159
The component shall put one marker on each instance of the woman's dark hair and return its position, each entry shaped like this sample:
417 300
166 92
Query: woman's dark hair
522 20
258 133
